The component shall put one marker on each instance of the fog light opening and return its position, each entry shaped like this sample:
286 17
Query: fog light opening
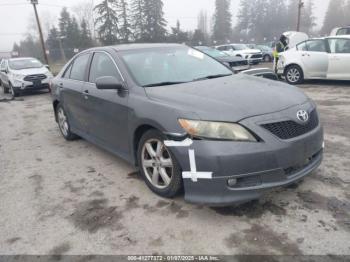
232 182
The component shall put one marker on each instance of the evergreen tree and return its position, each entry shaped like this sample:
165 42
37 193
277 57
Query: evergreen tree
73 34
335 16
222 21
138 18
198 38
107 22
125 25
203 22
85 36
155 24
53 44
64 22
177 35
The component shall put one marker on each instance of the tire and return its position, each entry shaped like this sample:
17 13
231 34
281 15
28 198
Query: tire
155 162
63 124
267 59
5 89
294 75
13 92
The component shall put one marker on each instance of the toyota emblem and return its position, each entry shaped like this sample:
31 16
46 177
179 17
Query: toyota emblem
303 116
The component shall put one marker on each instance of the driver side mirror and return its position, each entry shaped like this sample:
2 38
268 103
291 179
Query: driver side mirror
47 66
109 83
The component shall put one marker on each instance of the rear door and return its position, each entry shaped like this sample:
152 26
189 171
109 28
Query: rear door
71 85
314 57
339 59
108 109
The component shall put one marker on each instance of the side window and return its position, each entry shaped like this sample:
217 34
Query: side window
342 31
316 46
66 74
222 48
339 46
302 46
102 65
79 67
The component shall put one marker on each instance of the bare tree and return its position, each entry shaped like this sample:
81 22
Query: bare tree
84 11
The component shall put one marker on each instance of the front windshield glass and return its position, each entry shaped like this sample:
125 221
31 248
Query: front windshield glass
166 66
240 47
19 64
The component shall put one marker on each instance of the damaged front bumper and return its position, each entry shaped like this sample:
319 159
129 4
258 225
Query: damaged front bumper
221 173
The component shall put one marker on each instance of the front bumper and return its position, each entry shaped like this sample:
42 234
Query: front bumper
256 167
21 85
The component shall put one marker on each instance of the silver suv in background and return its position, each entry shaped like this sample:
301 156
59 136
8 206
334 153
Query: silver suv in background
23 74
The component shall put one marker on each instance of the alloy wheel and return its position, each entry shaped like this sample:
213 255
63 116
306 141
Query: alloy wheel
62 121
293 75
157 163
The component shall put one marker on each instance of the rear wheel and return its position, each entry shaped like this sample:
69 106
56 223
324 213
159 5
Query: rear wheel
63 124
158 166
294 75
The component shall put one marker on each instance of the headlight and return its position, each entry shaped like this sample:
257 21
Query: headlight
216 130
49 74
17 76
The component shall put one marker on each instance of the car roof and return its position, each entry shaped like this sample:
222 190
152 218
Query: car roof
21 58
127 47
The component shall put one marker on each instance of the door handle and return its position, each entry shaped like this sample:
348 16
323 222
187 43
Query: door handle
60 85
86 94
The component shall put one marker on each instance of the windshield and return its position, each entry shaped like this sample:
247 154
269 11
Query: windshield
240 47
166 66
19 64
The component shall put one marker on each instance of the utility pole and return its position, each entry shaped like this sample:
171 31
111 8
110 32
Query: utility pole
34 3
300 6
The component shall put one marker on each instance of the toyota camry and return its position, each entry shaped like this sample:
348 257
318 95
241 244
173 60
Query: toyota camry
187 122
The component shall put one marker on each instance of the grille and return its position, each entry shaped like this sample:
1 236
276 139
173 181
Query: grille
257 56
32 78
291 129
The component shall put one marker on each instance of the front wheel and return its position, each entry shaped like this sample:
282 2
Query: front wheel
63 124
12 91
158 166
267 59
294 75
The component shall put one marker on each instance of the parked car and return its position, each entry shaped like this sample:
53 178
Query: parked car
341 31
188 122
266 51
253 56
262 72
238 64
318 58
22 74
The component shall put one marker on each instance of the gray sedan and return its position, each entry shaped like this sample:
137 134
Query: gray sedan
188 122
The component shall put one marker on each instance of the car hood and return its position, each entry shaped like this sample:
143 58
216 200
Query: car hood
230 99
31 71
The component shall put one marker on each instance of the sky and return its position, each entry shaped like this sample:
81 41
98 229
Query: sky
17 15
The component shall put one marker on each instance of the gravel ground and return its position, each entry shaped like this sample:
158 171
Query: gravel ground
59 197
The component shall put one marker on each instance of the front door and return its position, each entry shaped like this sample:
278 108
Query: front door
339 59
315 59
108 114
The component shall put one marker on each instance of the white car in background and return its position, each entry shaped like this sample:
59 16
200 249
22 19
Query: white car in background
254 56
341 31
317 58
22 74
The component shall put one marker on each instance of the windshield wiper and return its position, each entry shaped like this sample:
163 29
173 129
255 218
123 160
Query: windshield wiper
164 84
211 77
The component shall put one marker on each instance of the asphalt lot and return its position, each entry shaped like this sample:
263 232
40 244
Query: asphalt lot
59 197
